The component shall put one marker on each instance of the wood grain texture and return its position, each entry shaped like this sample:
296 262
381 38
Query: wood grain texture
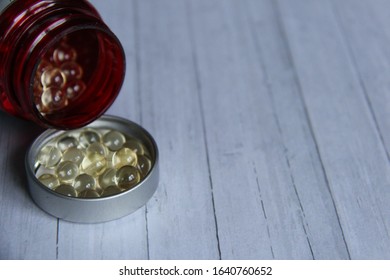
272 121
25 231
321 219
181 223
349 143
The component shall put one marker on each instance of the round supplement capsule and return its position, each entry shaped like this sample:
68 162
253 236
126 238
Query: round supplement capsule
64 53
66 190
84 182
94 164
124 156
114 140
108 178
52 77
73 89
49 180
135 145
73 154
67 171
144 165
127 177
67 142
49 156
71 70
54 99
89 194
111 190
97 148
43 66
88 137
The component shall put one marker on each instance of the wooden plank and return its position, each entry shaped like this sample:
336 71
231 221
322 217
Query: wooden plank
26 232
322 221
349 144
181 222
365 26
125 238
257 206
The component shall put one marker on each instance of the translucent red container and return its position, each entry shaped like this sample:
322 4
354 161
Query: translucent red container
60 65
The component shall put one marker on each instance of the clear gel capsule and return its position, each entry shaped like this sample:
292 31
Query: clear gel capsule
84 182
114 140
49 180
89 194
67 142
64 53
73 154
124 156
111 190
49 156
97 148
88 137
135 145
144 165
73 89
43 66
54 98
67 190
127 177
108 178
71 71
94 164
52 77
67 171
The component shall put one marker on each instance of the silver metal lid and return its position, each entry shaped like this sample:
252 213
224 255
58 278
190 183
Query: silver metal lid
94 210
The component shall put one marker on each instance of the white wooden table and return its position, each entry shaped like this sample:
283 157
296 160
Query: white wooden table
273 123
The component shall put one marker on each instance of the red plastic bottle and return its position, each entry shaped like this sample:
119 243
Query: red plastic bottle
60 65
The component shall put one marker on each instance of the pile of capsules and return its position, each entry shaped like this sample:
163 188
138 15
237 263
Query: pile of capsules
58 79
91 163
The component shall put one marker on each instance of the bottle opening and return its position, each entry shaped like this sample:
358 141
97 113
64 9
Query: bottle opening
77 78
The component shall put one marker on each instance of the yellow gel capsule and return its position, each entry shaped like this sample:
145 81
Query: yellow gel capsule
74 89
73 154
124 156
97 148
52 77
114 140
88 137
84 182
127 177
49 180
94 164
43 66
111 190
66 190
67 171
49 156
54 98
108 178
135 145
64 53
71 70
67 142
89 194
144 165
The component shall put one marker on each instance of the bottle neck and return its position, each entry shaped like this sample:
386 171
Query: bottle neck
60 66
